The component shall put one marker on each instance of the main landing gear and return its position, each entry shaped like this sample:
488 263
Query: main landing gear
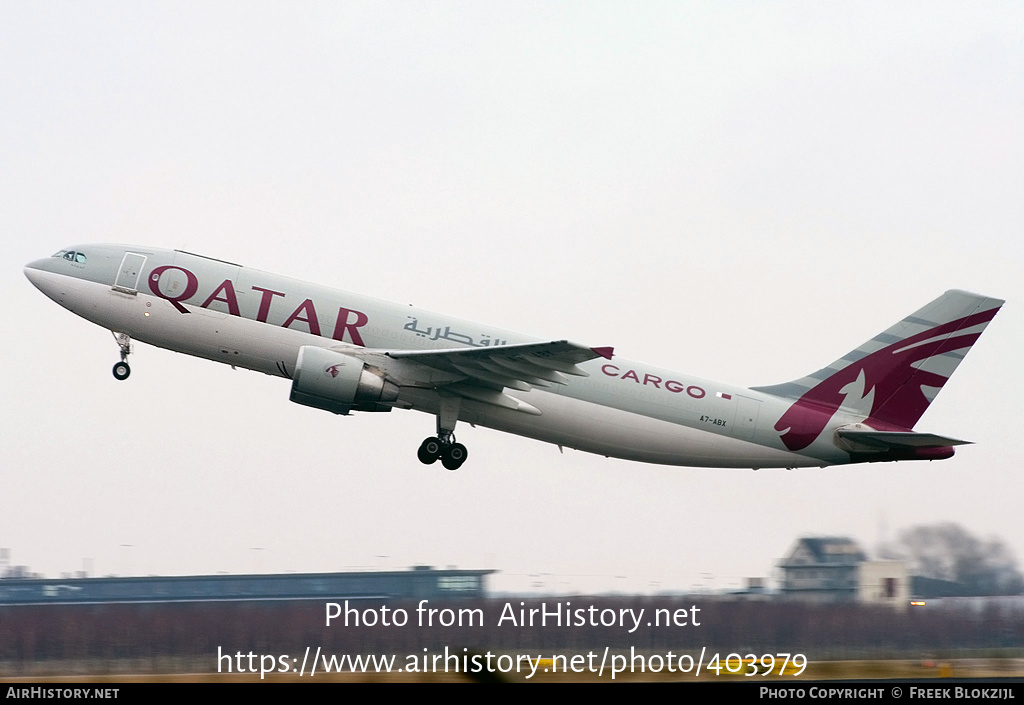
451 454
443 445
122 369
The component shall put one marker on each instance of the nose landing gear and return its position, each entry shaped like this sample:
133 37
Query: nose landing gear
122 369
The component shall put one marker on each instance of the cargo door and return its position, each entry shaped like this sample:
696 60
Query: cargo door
129 271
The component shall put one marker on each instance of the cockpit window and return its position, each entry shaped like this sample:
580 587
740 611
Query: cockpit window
71 256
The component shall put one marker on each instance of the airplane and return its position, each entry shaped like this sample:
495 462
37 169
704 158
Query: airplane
344 352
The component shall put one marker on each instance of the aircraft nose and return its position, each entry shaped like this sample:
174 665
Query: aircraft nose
33 269
40 273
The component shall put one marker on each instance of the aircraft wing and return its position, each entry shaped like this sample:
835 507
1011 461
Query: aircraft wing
483 372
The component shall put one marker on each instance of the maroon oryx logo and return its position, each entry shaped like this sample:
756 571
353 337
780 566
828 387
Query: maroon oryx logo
333 371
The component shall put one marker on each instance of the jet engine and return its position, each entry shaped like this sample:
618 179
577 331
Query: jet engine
339 383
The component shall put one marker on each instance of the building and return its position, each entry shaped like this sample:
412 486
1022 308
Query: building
883 583
421 582
834 569
822 569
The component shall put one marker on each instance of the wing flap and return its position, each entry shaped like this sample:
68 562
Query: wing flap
487 376
558 352
492 397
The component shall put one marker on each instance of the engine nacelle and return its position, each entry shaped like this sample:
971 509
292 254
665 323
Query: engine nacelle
339 383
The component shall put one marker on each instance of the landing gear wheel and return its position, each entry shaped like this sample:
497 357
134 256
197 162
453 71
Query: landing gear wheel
124 341
454 456
430 451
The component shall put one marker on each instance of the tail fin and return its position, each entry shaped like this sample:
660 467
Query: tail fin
892 378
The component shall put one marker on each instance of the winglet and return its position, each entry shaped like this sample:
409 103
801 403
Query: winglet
606 353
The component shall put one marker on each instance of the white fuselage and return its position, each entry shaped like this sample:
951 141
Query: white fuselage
257 320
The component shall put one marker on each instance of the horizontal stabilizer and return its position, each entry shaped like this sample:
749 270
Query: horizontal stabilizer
893 440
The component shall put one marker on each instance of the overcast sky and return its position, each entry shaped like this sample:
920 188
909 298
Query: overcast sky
739 191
